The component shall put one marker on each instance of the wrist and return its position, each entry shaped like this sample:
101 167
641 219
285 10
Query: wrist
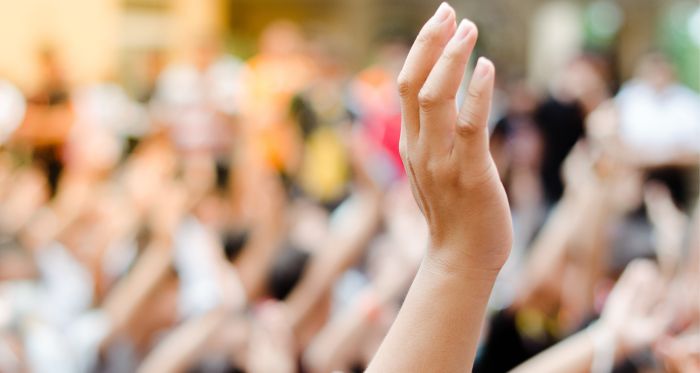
607 340
605 351
453 262
468 258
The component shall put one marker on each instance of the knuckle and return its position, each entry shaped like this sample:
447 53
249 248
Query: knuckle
427 100
465 129
404 85
427 36
473 94
469 122
452 56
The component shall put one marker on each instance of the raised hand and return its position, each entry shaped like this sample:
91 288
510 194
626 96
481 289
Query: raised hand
634 317
454 180
633 313
446 150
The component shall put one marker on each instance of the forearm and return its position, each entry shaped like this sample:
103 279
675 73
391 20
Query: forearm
344 248
132 291
456 185
347 334
574 354
335 346
549 249
439 323
180 348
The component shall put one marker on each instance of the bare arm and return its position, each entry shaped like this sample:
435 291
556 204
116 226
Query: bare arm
131 292
631 320
456 185
344 247
178 350
352 333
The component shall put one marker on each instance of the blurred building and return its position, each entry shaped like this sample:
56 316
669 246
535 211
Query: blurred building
103 39
94 39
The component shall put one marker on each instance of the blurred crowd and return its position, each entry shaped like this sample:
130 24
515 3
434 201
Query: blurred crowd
254 216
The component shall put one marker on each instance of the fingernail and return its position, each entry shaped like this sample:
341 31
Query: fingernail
442 13
482 69
463 30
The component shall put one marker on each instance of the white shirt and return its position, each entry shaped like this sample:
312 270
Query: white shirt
12 109
661 122
190 101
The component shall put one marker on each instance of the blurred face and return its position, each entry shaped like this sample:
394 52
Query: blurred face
145 173
206 53
392 56
92 149
281 38
657 71
584 80
521 98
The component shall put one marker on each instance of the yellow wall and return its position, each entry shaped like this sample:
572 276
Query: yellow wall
88 34
83 32
194 19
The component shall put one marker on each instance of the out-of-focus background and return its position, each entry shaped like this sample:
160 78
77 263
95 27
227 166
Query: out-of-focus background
215 185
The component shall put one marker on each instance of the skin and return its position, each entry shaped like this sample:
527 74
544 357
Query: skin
456 185
631 321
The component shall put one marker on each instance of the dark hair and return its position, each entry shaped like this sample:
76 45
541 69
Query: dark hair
286 272
223 175
48 159
234 242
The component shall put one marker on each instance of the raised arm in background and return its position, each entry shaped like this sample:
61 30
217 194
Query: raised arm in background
632 320
455 183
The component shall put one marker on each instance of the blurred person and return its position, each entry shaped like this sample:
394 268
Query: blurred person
82 244
297 283
201 260
325 121
646 319
657 113
632 320
377 107
368 295
678 348
49 118
281 69
107 106
657 125
153 65
198 100
12 109
587 237
577 90
54 89
515 135
517 149
22 198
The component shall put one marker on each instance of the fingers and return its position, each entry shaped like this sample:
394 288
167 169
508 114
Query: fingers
471 139
474 114
428 85
437 97
420 61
